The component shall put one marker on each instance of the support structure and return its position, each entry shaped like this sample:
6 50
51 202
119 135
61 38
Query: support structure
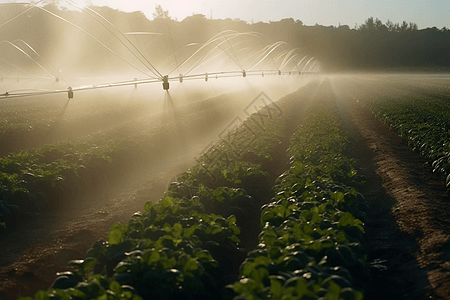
166 82
70 93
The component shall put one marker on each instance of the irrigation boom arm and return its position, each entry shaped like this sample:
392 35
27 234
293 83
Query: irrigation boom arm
135 82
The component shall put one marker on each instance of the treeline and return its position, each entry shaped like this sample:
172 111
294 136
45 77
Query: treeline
373 45
371 25
377 46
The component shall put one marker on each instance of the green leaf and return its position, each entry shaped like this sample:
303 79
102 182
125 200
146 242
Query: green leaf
337 196
89 262
358 295
116 234
115 287
231 220
235 239
190 230
307 229
148 205
346 219
247 268
298 167
190 265
276 287
167 227
262 260
103 297
216 229
333 292
151 256
269 237
203 254
246 286
177 230
235 230
41 295
260 273
167 202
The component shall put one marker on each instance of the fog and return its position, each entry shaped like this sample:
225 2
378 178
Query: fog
122 68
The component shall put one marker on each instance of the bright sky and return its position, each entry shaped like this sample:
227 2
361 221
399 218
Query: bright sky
426 13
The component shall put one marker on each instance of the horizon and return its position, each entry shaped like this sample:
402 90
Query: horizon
352 13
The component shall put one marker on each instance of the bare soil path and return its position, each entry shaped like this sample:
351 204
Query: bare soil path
409 218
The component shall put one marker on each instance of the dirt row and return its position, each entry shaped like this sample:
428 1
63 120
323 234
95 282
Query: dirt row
409 216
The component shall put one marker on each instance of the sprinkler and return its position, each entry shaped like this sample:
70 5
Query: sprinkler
206 77
70 93
166 82
244 74
181 78
279 72
135 85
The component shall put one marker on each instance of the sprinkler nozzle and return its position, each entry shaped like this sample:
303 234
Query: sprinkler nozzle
166 82
70 93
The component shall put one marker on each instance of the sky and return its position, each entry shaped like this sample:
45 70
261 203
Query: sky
425 13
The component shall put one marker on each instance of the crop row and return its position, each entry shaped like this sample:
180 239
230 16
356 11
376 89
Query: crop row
424 121
310 244
36 179
186 245
25 124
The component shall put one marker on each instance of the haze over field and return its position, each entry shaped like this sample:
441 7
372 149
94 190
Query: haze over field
76 41
225 127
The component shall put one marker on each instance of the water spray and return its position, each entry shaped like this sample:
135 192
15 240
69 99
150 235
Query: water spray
223 43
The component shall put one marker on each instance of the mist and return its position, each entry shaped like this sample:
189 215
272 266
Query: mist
102 110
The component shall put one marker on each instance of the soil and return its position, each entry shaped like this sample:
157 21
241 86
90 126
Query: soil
50 240
407 233
408 228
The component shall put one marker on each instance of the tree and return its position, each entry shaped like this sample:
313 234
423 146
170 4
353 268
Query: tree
404 26
160 13
372 25
390 26
413 27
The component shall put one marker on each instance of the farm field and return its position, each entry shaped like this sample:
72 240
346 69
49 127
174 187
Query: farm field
394 227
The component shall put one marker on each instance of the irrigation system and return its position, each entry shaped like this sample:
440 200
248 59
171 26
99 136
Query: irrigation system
218 55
